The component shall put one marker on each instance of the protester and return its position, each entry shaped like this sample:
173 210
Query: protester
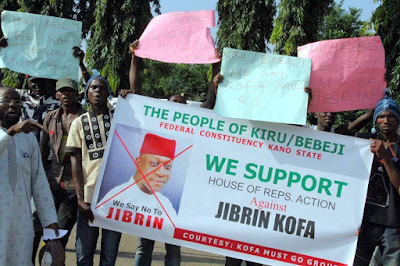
86 144
81 55
23 177
381 221
37 101
134 74
177 99
325 121
53 141
210 103
145 249
162 150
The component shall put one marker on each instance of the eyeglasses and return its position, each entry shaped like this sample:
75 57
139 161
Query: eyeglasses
17 102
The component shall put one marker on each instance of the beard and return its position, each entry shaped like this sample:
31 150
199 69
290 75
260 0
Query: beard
10 121
7 120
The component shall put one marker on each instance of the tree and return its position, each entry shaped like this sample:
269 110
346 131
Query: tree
340 23
245 24
116 24
298 23
164 80
386 21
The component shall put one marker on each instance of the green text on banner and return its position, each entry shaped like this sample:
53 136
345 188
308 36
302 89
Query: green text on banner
270 193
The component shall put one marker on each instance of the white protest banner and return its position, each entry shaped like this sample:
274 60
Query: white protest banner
264 87
40 46
264 192
347 74
179 37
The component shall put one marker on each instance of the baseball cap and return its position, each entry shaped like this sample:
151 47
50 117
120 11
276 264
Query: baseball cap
66 83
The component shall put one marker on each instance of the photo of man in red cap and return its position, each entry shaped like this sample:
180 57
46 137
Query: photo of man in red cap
141 188
154 163
153 166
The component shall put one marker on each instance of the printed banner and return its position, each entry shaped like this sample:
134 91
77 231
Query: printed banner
40 46
270 193
347 74
179 37
264 87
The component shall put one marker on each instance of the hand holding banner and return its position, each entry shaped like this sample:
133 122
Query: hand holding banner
264 87
40 46
347 74
179 37
265 192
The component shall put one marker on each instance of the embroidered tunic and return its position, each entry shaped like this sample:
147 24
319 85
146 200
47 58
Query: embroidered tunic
88 135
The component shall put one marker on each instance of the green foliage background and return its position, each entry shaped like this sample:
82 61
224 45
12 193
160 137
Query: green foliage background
298 23
245 24
110 25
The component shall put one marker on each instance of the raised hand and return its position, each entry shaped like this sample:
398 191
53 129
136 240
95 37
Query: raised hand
133 46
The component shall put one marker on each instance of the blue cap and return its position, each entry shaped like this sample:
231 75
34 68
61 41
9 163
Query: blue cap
98 77
386 104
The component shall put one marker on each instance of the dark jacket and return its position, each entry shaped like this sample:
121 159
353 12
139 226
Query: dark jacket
59 173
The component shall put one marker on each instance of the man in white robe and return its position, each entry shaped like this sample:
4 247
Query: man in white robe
21 177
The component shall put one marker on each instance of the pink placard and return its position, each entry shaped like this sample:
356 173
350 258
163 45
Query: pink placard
179 37
346 74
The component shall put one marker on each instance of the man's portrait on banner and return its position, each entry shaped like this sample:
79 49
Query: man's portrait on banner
145 165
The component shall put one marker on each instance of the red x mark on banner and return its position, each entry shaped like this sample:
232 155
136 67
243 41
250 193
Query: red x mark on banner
143 176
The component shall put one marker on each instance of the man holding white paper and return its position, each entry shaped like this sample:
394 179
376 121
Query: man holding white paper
23 177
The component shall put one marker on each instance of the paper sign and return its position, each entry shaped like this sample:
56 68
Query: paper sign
347 74
40 46
265 87
50 234
264 192
179 37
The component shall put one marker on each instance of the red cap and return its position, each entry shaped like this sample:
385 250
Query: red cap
153 144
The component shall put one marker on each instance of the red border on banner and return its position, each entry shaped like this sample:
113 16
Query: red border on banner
252 249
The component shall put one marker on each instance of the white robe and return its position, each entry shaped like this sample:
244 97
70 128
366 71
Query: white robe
21 177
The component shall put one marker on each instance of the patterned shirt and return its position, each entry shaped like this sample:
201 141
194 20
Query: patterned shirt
88 135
